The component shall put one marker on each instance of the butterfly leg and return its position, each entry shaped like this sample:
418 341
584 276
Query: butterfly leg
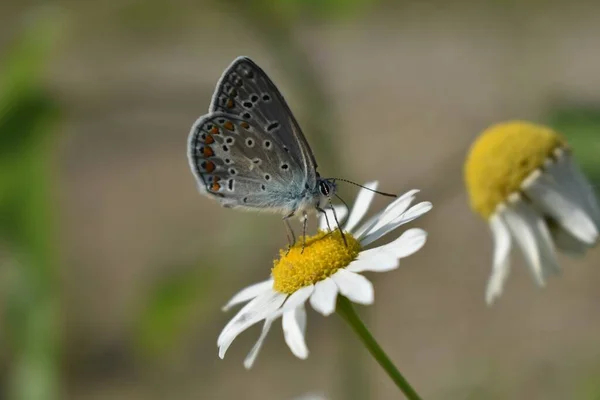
289 231
339 227
319 209
304 221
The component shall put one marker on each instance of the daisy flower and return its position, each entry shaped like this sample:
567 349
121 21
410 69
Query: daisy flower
325 269
522 179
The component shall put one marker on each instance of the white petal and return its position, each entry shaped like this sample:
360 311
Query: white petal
294 326
249 293
251 357
324 297
296 299
532 235
355 287
393 210
258 309
340 211
412 213
408 243
501 265
587 193
569 175
379 259
387 257
566 243
563 201
367 226
361 205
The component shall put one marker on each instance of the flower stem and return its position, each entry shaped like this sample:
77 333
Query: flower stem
345 309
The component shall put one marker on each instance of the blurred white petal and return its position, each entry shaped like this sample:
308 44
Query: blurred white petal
567 243
532 236
563 201
501 265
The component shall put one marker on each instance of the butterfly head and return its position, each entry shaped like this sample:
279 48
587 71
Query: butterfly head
326 188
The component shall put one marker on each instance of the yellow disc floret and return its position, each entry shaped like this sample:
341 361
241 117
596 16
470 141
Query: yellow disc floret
502 157
324 253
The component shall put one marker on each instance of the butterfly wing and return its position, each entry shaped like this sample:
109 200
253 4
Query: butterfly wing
239 164
246 91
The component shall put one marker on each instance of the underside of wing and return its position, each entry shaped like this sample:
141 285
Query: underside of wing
246 91
237 164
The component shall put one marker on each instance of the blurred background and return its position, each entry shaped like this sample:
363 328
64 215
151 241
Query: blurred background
113 269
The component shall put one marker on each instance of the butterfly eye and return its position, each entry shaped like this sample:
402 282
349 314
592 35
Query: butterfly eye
324 188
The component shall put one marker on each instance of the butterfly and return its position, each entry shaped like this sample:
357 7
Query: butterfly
249 152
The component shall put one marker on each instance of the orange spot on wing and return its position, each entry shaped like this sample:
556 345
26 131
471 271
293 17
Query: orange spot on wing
210 166
207 151
230 103
245 125
209 139
214 130
228 125
215 187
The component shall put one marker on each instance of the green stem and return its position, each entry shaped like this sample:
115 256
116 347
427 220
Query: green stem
345 309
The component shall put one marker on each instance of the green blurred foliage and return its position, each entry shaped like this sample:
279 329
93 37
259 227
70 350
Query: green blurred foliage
581 127
588 387
28 116
172 303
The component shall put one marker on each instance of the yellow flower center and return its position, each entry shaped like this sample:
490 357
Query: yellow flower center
502 157
324 253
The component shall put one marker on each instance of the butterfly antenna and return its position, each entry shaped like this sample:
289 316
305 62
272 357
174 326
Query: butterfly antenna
364 187
336 218
342 200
